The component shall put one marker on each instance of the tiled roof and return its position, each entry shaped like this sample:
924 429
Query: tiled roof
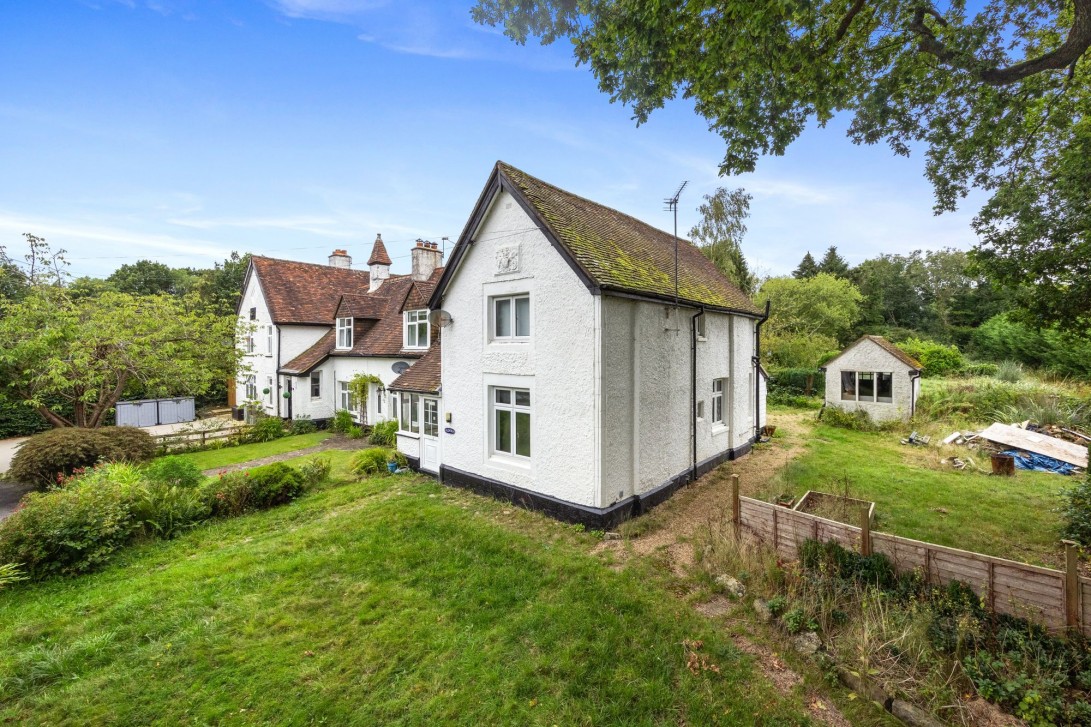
887 346
305 293
622 253
386 336
378 253
362 305
310 358
424 375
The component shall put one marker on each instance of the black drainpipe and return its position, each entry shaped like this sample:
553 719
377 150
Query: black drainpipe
913 376
693 388
276 373
757 372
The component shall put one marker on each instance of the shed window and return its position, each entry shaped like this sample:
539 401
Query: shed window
866 386
848 386
884 387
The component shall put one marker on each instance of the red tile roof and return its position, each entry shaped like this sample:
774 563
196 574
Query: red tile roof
305 293
423 376
310 358
378 253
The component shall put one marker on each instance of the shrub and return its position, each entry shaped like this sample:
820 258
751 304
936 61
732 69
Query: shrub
302 426
858 420
1001 338
342 421
265 429
980 369
372 462
795 381
275 484
66 531
175 471
229 495
46 457
1009 371
936 358
1076 511
315 471
384 434
165 510
355 432
797 401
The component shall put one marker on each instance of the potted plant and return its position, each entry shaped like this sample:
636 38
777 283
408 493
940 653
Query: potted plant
396 461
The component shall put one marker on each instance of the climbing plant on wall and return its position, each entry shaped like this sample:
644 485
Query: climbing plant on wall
359 388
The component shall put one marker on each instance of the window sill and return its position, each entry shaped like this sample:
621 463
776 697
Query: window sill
719 428
411 435
702 339
508 460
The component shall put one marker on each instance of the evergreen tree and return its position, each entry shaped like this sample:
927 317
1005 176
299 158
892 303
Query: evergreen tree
719 233
808 268
834 264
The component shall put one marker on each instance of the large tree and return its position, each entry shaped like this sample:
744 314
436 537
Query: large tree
87 352
809 317
807 268
998 96
719 234
833 263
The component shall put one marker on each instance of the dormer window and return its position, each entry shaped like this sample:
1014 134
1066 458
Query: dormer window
416 328
344 333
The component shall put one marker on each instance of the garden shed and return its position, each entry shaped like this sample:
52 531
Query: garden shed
875 376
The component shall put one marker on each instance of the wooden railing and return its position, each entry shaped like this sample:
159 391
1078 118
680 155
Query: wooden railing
1058 600
198 437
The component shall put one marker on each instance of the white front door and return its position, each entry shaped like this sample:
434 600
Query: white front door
429 440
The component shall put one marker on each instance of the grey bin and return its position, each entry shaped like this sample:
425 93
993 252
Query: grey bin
150 412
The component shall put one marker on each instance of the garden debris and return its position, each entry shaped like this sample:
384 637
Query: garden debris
919 440
1078 435
955 462
610 535
1039 463
952 437
1037 443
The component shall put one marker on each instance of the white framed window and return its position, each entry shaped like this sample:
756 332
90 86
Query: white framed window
268 340
431 417
394 406
316 384
344 397
344 333
249 343
511 421
416 328
884 387
865 386
380 394
718 401
869 386
269 386
701 326
251 387
410 419
511 317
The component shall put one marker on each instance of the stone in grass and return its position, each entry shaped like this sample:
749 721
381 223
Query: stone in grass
611 536
807 643
764 613
912 715
732 585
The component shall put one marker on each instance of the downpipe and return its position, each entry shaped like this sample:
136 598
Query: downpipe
693 390
757 373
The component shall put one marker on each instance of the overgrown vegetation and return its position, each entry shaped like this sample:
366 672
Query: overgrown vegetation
857 420
373 462
1076 511
384 434
46 457
265 429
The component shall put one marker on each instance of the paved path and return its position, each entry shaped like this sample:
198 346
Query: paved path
7 451
331 443
10 494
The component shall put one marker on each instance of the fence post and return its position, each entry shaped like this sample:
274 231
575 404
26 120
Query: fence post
865 531
736 506
1071 585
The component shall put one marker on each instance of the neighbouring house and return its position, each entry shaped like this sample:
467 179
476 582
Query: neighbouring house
875 376
314 327
579 375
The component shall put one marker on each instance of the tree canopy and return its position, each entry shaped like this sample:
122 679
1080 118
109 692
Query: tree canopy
809 317
719 234
807 267
997 96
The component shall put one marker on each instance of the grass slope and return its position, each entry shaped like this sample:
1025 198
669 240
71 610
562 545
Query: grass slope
917 497
391 601
212 458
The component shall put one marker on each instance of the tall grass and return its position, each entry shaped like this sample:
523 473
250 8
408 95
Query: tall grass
988 399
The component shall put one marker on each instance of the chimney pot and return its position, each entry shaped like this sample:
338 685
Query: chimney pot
340 259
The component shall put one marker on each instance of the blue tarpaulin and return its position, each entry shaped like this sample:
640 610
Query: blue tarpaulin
1040 463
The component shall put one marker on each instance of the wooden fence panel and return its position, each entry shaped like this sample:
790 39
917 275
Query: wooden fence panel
1085 606
1008 587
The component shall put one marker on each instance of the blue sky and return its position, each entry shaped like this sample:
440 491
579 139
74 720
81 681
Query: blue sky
180 130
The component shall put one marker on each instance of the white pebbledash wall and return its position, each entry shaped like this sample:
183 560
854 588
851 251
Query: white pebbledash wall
609 377
262 363
558 365
867 356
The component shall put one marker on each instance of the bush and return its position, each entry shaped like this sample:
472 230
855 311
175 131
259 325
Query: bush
164 510
234 493
373 462
795 381
175 471
1009 371
265 429
936 358
229 495
1076 512
46 458
384 434
858 420
342 421
315 471
355 432
980 369
302 426
1001 338
66 531
19 420
797 401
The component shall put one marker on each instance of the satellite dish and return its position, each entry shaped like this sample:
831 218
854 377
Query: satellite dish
440 318
399 367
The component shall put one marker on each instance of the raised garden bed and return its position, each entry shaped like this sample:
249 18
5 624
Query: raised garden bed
835 507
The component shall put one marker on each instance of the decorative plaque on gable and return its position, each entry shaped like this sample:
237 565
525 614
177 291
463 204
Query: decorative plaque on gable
507 259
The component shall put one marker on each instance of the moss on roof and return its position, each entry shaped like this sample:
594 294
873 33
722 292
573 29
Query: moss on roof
622 253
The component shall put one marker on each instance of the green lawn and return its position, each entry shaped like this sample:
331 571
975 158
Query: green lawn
392 601
918 497
213 458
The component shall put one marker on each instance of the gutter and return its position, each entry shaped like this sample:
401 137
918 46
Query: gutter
693 389
757 377
914 376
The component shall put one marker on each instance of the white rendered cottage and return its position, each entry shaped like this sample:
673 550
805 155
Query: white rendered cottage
875 376
317 326
575 378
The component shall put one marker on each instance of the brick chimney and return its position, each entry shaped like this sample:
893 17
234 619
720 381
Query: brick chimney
340 259
379 262
426 258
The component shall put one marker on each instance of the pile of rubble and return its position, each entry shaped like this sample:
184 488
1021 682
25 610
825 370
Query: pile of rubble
1030 446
